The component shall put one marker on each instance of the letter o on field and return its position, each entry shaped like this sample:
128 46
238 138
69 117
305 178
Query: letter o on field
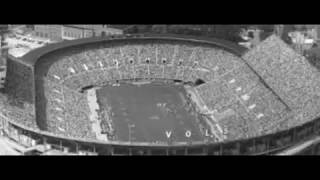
188 134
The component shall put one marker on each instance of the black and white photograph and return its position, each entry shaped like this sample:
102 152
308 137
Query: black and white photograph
159 89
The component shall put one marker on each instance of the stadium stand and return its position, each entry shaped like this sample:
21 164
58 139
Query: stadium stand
155 71
147 54
183 55
287 72
141 71
114 57
236 80
170 72
269 89
23 116
77 118
130 54
165 53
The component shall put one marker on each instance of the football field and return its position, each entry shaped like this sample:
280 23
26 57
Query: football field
150 113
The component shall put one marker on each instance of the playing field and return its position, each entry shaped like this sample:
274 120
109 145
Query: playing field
150 113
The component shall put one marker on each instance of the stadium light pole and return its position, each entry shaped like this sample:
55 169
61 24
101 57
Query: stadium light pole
129 133
130 126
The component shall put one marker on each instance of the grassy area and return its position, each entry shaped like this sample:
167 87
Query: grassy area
150 112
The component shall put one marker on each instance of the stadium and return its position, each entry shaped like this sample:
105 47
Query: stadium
153 94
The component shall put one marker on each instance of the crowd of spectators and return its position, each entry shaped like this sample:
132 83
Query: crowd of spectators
242 104
165 53
239 97
22 115
67 111
134 61
186 62
289 74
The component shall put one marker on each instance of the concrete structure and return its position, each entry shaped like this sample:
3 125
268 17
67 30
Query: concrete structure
24 76
53 32
70 32
18 45
251 36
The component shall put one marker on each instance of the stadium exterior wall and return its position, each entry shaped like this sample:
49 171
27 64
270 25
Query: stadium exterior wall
19 80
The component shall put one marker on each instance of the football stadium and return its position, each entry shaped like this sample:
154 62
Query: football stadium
149 94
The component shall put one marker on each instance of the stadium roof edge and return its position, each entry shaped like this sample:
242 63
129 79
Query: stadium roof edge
31 57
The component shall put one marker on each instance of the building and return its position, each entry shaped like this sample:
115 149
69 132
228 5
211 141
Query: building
279 30
52 32
251 36
97 30
85 31
315 31
70 32
302 41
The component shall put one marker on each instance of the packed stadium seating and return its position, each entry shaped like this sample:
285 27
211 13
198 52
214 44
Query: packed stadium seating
287 72
165 54
241 91
67 111
291 77
141 71
147 54
126 71
183 55
24 115
269 89
155 71
77 118
231 84
183 62
130 54
170 72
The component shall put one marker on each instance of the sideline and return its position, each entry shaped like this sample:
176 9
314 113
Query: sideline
94 117
210 119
